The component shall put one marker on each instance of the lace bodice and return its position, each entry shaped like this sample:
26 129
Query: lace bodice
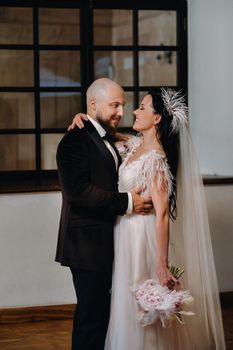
143 171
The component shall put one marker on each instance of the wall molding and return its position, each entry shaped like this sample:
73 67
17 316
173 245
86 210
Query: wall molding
226 299
217 180
36 313
63 312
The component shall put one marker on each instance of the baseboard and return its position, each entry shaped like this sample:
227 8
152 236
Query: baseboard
36 313
226 299
62 312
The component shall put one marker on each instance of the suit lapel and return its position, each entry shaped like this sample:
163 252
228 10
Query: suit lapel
96 138
117 153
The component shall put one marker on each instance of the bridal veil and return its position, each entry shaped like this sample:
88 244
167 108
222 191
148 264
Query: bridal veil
191 248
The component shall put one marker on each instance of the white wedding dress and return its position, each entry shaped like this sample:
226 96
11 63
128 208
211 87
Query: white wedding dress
135 253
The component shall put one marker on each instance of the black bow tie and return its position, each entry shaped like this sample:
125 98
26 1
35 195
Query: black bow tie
108 137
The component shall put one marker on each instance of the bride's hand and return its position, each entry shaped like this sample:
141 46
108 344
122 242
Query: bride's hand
165 276
78 121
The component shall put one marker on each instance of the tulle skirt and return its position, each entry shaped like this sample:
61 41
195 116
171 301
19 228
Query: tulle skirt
135 253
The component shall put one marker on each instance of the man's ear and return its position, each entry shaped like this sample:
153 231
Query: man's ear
93 105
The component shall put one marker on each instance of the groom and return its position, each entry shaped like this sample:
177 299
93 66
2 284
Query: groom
87 165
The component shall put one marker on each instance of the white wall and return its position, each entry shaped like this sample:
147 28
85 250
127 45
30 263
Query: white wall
210 51
29 224
219 204
28 235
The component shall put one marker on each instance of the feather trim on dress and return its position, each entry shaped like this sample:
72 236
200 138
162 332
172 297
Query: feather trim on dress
154 165
126 147
155 168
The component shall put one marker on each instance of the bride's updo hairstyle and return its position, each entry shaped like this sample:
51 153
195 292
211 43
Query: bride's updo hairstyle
169 140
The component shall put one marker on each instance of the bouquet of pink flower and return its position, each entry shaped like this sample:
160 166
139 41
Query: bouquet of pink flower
156 302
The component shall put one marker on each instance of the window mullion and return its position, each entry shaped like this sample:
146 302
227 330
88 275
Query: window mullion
135 58
37 86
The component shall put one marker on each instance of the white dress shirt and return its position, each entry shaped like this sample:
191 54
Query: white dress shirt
102 133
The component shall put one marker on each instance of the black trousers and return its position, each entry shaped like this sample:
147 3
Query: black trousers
93 307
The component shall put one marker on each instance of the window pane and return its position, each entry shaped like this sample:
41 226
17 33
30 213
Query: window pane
17 110
113 27
59 26
128 118
142 94
16 68
17 152
157 68
157 27
60 68
49 143
117 65
58 109
15 25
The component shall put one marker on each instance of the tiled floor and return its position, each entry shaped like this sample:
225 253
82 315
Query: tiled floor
55 335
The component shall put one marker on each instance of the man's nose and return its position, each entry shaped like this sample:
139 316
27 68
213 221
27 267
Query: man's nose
120 111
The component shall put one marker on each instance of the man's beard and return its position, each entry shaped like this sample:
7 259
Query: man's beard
106 125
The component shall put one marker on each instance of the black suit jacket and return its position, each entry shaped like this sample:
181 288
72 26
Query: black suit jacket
90 200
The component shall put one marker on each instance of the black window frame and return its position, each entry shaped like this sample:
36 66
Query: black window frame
47 180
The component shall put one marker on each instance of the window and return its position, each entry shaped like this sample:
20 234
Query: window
50 52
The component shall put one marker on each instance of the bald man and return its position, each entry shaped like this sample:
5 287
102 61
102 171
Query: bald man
87 165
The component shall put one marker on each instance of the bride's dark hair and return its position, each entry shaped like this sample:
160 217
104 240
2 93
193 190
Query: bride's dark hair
169 141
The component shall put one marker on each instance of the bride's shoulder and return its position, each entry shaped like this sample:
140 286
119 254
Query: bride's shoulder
155 158
158 154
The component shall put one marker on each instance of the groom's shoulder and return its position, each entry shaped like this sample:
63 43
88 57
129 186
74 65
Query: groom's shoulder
76 135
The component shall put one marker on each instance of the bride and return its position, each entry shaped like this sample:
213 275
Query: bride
161 162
